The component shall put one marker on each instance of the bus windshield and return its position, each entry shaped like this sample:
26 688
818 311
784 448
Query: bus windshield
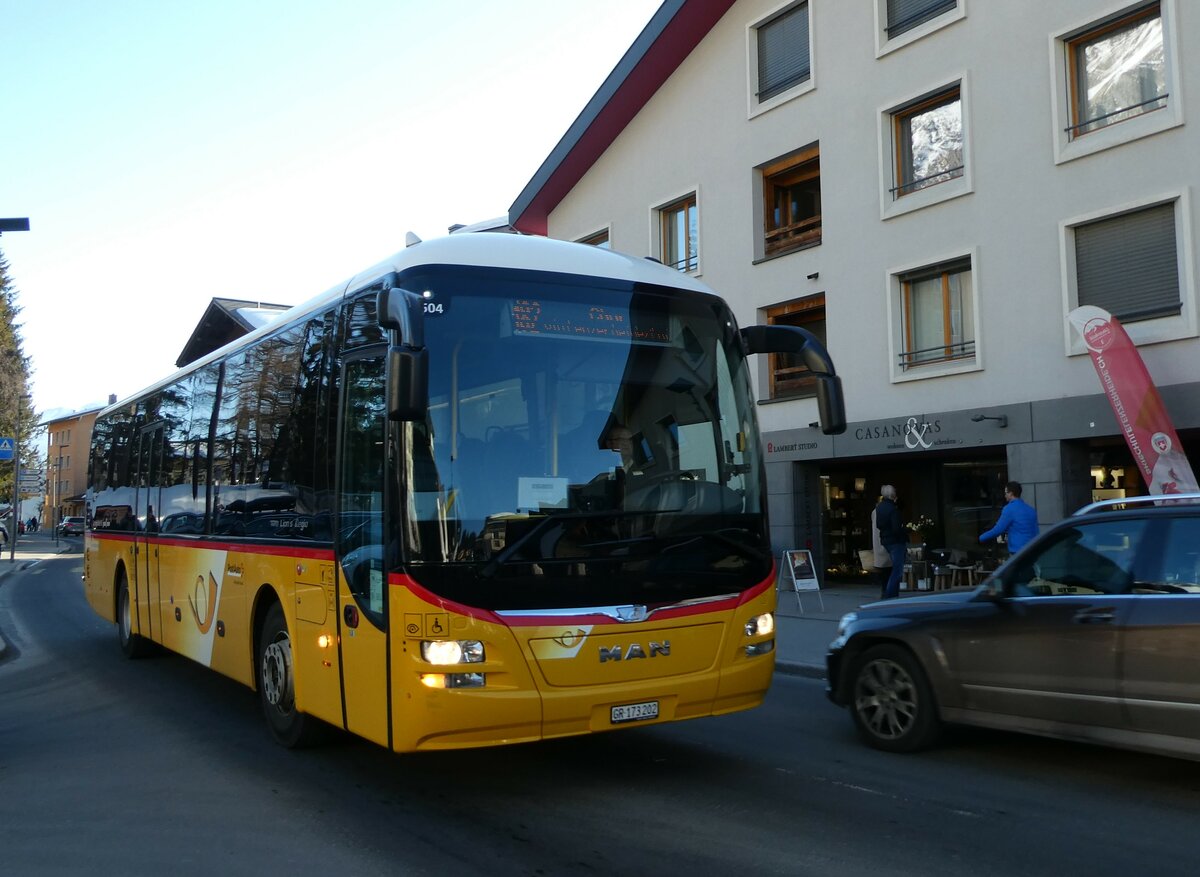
589 443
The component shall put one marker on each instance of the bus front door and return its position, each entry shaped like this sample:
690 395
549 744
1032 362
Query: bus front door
145 525
362 586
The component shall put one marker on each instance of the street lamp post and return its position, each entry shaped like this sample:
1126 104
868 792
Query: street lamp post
15 224
55 497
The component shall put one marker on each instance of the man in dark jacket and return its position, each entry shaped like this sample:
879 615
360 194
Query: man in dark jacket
893 536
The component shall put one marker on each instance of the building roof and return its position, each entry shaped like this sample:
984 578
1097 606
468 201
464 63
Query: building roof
225 320
675 30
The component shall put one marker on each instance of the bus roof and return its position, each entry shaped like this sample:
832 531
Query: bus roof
489 250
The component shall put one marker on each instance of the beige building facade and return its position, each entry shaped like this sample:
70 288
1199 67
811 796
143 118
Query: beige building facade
68 439
931 186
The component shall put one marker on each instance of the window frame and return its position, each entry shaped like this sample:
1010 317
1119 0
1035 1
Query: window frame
662 230
813 308
1063 44
898 319
801 166
1150 331
885 43
892 117
601 238
755 106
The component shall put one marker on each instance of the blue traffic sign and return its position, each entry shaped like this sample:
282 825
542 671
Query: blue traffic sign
6 448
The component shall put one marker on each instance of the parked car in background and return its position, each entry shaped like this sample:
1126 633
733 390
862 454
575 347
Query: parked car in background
1090 633
71 526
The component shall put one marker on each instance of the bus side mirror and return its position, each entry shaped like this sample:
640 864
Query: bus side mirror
407 383
403 313
831 405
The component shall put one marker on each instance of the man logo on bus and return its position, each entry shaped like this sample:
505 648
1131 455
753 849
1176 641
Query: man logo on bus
635 650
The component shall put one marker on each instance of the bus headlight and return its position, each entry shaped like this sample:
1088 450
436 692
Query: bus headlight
761 625
445 652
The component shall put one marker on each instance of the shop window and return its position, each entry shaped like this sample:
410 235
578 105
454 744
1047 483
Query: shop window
789 376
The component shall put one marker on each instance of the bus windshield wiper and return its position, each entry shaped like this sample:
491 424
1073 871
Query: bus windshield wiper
489 569
737 546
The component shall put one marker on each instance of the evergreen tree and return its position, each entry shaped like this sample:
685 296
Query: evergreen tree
17 416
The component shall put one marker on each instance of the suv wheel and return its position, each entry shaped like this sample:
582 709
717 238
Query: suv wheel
891 700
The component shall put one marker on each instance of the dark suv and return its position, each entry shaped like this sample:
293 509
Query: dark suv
1091 633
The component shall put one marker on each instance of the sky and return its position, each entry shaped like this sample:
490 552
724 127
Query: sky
167 153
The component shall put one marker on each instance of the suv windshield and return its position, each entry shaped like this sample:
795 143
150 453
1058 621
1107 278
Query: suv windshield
587 445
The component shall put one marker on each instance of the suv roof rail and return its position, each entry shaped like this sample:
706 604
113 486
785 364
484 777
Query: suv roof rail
1128 502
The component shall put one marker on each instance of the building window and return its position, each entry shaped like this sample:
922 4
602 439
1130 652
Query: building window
679 234
792 202
790 377
1116 79
937 314
928 138
904 15
599 239
1128 264
782 52
1117 71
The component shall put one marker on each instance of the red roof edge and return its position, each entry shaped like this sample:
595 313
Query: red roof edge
656 54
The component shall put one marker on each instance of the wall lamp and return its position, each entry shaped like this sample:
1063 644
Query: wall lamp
1001 419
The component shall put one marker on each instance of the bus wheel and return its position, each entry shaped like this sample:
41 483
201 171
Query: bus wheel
132 645
277 684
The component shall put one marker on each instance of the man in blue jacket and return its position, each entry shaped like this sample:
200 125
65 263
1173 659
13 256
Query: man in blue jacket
1018 520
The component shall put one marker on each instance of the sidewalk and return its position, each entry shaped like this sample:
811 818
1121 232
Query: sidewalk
802 632
29 549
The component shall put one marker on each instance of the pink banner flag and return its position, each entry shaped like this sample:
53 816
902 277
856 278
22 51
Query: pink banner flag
1135 401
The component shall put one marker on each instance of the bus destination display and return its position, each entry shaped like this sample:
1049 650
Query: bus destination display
531 316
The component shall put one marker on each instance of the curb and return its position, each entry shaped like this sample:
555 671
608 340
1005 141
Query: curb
791 668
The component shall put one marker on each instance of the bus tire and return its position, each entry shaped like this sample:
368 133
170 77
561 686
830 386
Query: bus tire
132 645
276 672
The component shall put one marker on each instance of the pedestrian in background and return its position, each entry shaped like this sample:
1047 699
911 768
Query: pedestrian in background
893 537
1018 521
881 561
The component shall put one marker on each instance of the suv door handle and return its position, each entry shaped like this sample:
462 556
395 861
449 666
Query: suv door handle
1105 615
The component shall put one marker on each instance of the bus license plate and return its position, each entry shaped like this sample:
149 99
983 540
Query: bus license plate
635 712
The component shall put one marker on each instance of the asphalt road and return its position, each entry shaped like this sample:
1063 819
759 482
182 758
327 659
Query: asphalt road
159 766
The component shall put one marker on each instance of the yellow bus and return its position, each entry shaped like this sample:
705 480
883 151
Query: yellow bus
495 489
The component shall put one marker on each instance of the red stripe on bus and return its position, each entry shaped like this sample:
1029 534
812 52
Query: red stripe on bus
516 620
214 545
